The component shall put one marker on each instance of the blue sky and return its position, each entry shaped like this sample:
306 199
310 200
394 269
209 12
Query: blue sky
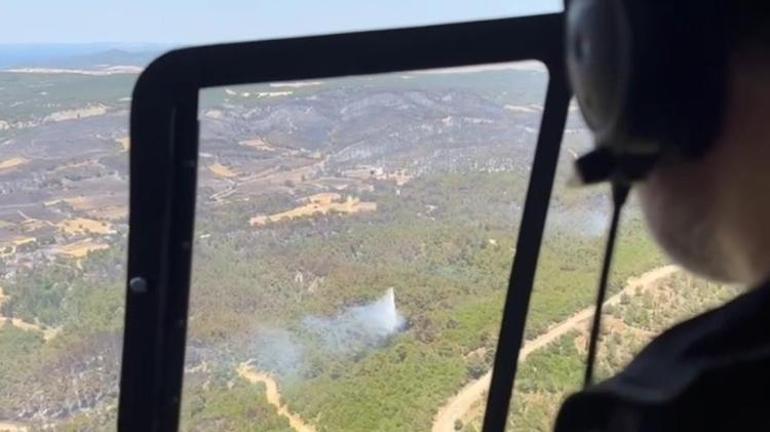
200 21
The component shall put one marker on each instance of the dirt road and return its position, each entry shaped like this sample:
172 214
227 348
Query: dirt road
459 404
252 375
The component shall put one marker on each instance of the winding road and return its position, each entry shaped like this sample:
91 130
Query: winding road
254 376
456 407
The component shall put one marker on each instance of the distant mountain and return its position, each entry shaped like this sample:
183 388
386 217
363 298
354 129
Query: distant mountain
78 56
111 57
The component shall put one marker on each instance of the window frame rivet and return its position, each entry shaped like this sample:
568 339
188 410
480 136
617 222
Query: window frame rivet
137 285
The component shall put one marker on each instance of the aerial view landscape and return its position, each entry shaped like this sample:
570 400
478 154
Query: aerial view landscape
353 244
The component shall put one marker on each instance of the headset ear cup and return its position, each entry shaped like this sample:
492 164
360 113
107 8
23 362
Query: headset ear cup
649 76
598 63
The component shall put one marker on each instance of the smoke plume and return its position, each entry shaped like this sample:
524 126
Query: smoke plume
358 327
354 330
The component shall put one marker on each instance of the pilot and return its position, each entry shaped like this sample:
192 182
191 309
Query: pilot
684 91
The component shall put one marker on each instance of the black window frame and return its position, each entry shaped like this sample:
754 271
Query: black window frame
163 172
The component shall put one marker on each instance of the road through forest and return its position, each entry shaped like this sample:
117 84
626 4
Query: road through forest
459 404
254 376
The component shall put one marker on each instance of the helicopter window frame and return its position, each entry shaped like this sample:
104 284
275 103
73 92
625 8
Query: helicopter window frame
164 132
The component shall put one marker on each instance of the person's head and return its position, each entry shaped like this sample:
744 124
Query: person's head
712 214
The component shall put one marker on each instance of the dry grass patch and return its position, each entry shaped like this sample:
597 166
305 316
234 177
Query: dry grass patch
85 226
8 248
12 163
125 143
319 204
98 208
222 171
75 114
80 249
112 213
257 143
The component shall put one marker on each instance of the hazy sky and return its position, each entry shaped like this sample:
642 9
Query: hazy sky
200 21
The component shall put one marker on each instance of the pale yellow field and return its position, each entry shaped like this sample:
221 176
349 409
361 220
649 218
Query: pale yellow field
257 143
23 240
31 225
112 213
85 226
74 114
222 171
125 143
94 209
9 248
319 204
12 427
78 203
12 163
80 248
323 198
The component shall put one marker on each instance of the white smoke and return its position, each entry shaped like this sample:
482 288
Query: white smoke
355 330
358 327
279 351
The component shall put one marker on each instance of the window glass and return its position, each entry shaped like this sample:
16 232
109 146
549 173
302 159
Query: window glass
63 227
353 244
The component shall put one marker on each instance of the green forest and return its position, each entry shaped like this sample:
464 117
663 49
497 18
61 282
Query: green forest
448 267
